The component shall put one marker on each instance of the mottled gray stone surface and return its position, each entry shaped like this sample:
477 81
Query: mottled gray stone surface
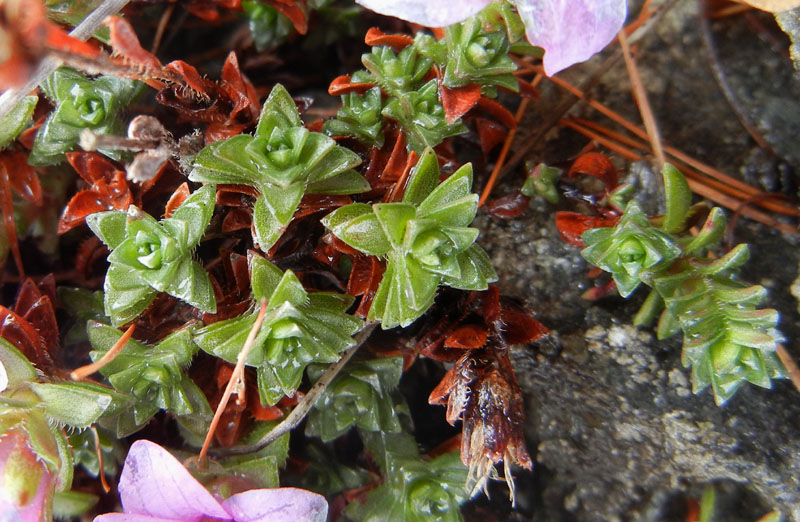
613 426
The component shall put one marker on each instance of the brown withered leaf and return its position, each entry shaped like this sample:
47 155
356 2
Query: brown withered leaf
481 389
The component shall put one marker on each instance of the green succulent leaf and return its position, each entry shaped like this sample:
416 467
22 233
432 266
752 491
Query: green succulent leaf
397 73
17 368
282 161
414 489
711 233
299 328
150 256
727 339
359 117
632 251
80 104
72 504
422 117
475 55
77 404
153 375
17 120
679 199
426 240
361 395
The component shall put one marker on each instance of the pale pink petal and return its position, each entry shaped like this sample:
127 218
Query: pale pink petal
430 13
570 31
125 517
154 483
277 505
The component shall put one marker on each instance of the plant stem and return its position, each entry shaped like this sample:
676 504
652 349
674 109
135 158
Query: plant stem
82 31
110 355
304 406
233 382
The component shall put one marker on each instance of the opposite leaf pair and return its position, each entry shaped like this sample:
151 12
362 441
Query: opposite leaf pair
425 239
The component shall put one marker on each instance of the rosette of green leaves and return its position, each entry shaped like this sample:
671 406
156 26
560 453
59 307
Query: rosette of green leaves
359 117
150 256
80 103
632 251
299 328
153 375
41 408
397 73
475 55
283 161
727 340
425 238
415 489
422 117
361 395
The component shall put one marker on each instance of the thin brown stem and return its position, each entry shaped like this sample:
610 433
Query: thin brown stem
640 95
790 365
304 406
503 153
233 381
110 355
99 451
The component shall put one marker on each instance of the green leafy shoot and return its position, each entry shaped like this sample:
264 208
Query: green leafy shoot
475 55
415 489
425 238
397 73
300 328
149 256
80 104
283 161
422 118
361 395
17 120
359 117
727 339
153 375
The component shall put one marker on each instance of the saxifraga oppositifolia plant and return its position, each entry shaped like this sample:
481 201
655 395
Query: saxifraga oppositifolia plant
333 227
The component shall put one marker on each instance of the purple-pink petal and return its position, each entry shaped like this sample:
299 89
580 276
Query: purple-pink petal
430 13
277 505
570 31
129 517
154 483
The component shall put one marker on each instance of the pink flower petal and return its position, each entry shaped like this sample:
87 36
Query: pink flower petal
570 31
125 517
430 13
277 505
154 483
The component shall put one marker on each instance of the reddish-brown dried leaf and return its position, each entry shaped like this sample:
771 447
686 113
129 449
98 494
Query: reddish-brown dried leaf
176 200
572 225
126 44
24 180
7 208
342 85
295 10
497 111
600 292
596 165
490 134
398 42
238 218
509 206
457 101
468 337
520 326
